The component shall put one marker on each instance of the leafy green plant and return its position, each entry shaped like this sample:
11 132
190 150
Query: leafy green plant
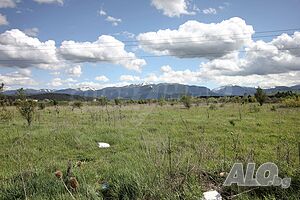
41 105
213 107
103 101
292 102
26 107
260 96
254 109
186 100
273 108
161 101
232 122
77 104
117 102
5 115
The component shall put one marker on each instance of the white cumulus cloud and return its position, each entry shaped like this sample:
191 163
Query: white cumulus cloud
101 12
7 3
129 78
114 21
19 50
61 2
33 32
18 78
281 55
105 49
57 82
102 78
195 40
169 75
210 11
173 8
3 20
75 71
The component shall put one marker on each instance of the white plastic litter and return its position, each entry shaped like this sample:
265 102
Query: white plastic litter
212 195
103 145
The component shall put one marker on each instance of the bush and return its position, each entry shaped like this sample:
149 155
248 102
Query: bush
77 104
273 108
5 115
254 109
161 101
260 96
186 100
251 99
25 106
27 110
213 107
232 122
103 101
292 102
42 105
118 102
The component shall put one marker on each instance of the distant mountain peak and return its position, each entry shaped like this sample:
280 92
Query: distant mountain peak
156 91
85 88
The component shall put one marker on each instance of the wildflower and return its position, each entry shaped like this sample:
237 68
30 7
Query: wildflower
74 183
58 174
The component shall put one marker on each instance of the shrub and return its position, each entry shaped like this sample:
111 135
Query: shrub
27 110
292 102
77 104
2 99
273 108
103 101
5 115
232 122
54 102
42 105
260 96
186 100
213 107
161 101
251 99
26 107
254 109
118 102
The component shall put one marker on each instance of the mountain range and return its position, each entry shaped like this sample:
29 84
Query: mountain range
155 91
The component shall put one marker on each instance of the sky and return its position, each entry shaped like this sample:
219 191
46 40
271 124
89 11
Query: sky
101 43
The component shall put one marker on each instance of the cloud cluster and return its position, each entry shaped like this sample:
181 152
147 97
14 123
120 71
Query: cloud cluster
75 71
7 3
3 20
198 40
113 20
200 77
19 78
20 50
173 8
281 55
169 75
233 57
105 49
57 82
32 32
60 2
209 11
129 78
86 85
264 81
102 78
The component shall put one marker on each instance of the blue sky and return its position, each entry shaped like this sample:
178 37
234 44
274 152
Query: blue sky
141 41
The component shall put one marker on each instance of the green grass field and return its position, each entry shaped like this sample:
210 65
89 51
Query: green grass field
157 152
